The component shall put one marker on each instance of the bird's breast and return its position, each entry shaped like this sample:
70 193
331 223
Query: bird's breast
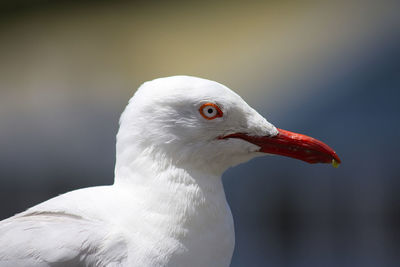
210 238
187 227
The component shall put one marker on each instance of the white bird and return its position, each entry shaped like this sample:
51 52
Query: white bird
167 206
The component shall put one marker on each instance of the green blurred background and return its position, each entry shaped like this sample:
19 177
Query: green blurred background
329 69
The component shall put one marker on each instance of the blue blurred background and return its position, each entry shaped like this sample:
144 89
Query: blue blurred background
330 70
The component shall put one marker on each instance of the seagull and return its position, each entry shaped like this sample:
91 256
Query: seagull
167 206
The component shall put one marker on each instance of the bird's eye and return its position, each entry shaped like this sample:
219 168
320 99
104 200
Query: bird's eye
210 111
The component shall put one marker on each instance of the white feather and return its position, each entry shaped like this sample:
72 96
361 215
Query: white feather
167 206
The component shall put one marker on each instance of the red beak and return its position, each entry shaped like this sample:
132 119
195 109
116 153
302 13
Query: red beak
292 145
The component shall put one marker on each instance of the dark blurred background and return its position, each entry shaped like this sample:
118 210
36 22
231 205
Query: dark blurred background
327 69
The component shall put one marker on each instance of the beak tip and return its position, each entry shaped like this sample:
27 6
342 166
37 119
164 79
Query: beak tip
335 163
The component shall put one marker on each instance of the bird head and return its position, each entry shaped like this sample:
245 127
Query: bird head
201 124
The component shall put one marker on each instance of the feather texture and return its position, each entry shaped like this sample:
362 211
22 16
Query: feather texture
58 239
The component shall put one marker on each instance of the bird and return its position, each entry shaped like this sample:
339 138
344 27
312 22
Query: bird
167 205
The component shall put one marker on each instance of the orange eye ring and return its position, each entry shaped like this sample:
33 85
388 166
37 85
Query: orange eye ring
210 111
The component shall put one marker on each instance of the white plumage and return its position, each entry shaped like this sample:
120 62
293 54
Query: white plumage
167 206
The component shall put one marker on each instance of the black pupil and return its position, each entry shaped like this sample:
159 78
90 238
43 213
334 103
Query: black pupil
210 110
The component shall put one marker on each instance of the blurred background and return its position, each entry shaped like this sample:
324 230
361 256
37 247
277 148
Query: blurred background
330 70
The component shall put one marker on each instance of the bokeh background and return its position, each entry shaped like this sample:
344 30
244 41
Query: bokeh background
327 69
